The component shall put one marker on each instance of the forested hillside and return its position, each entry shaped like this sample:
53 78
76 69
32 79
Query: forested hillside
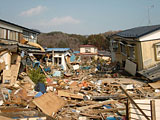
64 40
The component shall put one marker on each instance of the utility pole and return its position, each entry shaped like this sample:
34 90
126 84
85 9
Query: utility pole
149 19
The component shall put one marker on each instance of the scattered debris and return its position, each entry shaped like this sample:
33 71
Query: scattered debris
88 89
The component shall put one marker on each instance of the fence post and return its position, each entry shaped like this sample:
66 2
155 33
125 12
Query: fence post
153 111
128 110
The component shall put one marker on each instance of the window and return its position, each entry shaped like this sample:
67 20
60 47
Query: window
31 37
12 35
123 48
57 61
88 50
157 51
115 45
131 52
8 34
17 36
2 33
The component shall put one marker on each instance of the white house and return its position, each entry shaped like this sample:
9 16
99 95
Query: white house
88 50
60 56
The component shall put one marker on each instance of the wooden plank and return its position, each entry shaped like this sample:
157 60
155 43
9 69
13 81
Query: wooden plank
5 118
49 103
97 105
68 94
155 85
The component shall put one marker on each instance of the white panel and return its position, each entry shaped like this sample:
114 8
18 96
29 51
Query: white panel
10 27
151 36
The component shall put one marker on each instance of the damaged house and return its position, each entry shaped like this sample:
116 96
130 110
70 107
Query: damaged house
14 41
60 56
138 49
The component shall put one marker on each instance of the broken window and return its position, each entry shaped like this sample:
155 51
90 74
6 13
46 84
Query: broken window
157 51
123 48
131 51
57 61
31 37
115 45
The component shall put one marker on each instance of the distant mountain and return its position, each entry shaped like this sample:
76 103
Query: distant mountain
64 40
60 40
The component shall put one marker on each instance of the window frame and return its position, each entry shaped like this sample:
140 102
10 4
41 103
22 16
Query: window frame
133 57
125 48
157 51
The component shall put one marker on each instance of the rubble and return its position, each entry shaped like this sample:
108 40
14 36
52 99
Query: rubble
82 92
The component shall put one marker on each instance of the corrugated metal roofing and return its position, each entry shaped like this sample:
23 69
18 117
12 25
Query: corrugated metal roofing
138 31
58 49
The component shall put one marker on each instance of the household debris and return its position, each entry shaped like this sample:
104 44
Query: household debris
34 88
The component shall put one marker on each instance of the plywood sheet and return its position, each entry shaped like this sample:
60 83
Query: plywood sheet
49 103
130 67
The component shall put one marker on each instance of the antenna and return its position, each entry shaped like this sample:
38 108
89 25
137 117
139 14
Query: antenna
149 19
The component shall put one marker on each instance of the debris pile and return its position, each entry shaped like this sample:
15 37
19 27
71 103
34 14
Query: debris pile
33 88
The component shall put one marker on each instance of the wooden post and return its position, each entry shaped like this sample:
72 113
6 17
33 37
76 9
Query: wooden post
128 115
53 57
153 111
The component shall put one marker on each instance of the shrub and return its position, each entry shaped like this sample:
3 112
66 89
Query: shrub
36 76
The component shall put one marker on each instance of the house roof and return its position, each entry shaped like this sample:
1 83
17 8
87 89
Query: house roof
58 49
138 31
24 28
87 46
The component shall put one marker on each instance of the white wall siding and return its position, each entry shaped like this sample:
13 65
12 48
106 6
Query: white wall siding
152 36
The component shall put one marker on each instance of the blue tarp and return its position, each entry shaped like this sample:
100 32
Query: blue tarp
113 118
73 57
36 64
38 94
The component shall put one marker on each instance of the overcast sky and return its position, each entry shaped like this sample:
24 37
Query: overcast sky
80 16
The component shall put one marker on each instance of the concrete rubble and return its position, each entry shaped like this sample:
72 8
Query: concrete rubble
84 91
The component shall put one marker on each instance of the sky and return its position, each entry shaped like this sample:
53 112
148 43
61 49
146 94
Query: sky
83 17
